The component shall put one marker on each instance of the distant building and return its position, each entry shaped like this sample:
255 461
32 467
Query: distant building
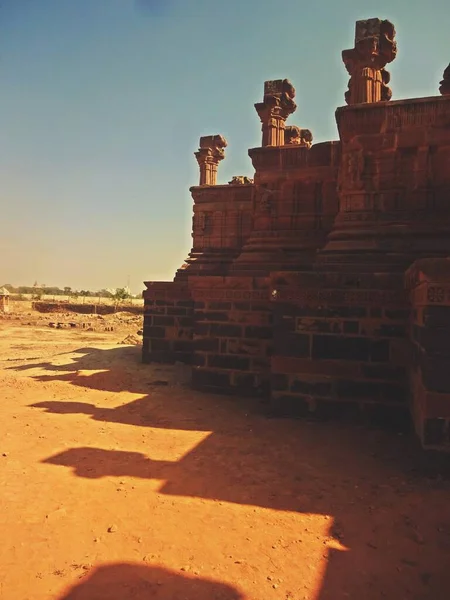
4 300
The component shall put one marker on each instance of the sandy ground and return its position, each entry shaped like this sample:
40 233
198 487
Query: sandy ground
118 482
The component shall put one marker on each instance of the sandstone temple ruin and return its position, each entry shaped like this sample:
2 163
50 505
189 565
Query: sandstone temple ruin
323 284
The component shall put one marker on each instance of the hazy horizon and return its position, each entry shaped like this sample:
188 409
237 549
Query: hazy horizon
104 101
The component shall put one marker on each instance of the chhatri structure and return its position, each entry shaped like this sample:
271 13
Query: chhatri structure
323 284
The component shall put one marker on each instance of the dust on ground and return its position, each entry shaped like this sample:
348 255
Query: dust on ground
118 482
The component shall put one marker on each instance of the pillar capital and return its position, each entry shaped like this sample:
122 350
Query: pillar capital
278 103
445 83
211 151
374 48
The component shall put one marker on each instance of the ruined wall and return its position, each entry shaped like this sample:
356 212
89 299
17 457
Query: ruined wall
428 282
394 183
232 335
295 204
84 308
168 320
221 223
339 350
294 288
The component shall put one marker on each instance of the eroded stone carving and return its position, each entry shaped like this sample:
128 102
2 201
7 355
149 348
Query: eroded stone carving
240 180
374 48
444 87
209 154
278 103
294 135
265 197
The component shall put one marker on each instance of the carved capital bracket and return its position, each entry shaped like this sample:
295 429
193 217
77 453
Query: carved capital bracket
278 103
375 47
444 87
296 136
209 154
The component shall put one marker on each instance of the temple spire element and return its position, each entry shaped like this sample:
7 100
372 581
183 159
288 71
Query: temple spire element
278 103
210 153
445 83
374 48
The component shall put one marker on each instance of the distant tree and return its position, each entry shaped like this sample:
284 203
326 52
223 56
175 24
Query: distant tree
67 291
121 294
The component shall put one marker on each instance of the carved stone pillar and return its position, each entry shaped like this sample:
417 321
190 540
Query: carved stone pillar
445 83
210 153
374 48
277 105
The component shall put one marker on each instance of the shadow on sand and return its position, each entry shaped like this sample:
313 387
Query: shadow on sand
124 581
367 480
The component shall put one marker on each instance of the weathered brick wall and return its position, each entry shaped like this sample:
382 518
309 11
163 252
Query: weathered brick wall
222 221
295 203
232 335
168 314
338 352
394 184
429 283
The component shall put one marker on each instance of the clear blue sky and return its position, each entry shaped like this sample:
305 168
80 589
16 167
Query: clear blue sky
103 102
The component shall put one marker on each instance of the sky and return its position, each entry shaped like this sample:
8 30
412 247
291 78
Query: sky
102 103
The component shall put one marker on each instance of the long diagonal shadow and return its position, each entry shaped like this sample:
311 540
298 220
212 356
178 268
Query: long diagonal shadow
125 581
366 480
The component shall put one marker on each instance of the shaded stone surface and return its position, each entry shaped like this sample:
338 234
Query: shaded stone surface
295 287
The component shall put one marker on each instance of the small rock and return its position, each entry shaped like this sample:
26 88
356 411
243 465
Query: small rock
113 529
275 586
5 454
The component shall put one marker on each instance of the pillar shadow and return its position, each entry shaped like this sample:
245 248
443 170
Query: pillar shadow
368 481
124 581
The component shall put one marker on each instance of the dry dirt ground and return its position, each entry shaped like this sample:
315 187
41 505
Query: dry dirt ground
117 482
